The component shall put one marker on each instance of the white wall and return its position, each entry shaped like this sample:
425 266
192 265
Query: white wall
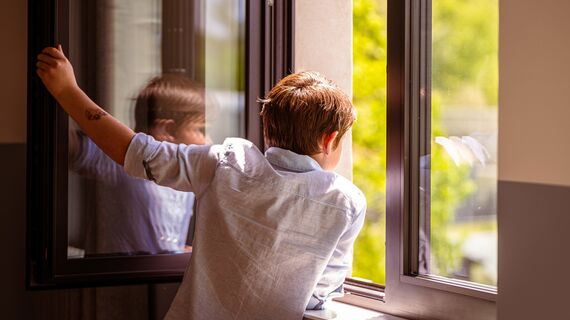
323 43
534 91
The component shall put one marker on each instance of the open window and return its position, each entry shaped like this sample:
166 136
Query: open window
229 52
437 195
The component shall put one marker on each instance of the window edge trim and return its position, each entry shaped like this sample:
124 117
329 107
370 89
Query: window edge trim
466 288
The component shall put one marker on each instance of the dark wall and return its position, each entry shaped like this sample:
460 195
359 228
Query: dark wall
16 301
126 302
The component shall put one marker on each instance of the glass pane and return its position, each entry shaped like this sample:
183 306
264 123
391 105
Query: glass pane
173 69
460 180
369 134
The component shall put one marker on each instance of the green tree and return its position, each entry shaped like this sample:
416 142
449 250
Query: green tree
369 134
464 54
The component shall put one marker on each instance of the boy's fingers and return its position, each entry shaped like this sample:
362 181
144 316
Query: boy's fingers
59 52
54 53
47 59
40 73
47 50
42 65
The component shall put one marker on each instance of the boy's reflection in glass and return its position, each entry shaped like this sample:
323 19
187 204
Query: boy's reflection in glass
135 216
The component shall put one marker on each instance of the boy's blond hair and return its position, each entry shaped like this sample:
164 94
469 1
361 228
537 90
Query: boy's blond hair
303 107
169 96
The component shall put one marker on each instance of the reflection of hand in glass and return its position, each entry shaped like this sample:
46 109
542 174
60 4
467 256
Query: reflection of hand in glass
464 150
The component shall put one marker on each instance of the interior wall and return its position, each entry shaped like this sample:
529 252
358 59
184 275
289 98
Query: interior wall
14 300
13 32
323 43
534 135
534 88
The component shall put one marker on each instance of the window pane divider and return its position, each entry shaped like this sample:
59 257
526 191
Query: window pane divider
419 135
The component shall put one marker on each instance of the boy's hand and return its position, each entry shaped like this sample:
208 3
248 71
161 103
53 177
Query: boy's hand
108 133
55 71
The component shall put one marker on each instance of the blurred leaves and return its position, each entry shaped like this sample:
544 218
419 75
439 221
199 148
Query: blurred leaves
369 134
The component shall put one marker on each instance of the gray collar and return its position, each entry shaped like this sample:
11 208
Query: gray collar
290 160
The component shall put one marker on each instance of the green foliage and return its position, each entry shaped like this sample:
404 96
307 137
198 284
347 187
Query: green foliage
464 72
369 134
464 61
464 48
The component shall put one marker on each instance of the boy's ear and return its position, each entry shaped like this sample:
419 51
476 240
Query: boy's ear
162 130
328 142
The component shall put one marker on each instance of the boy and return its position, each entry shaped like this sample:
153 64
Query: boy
134 216
274 233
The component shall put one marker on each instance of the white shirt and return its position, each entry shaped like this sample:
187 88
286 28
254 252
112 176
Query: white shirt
274 234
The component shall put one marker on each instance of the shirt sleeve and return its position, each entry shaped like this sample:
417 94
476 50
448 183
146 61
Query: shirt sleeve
340 264
182 167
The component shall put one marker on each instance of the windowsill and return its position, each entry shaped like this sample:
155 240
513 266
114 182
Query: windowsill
342 311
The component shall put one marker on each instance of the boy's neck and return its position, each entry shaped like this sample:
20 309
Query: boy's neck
323 161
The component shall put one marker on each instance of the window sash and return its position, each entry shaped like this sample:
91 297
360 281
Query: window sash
407 292
269 57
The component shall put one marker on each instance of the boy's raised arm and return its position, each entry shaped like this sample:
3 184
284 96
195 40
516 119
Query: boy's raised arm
108 133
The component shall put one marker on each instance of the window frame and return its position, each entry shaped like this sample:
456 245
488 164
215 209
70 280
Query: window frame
408 293
269 57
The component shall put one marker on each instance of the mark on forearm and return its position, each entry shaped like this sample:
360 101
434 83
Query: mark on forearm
95 115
